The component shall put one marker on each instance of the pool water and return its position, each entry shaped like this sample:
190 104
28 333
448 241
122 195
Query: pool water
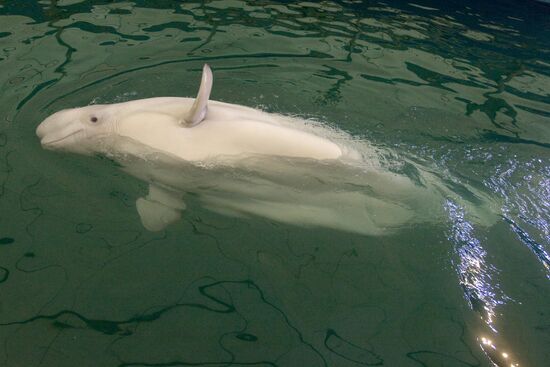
460 88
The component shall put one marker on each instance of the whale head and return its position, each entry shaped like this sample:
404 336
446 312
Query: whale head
77 130
82 130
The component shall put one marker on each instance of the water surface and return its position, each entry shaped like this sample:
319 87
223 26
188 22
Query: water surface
460 88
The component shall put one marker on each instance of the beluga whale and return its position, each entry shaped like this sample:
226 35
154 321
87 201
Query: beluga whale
241 161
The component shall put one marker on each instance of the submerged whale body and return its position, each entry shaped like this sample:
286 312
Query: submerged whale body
240 161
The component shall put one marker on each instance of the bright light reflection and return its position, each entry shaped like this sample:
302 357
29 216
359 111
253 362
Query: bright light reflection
473 271
499 358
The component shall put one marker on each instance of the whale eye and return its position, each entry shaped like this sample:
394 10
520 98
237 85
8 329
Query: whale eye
93 119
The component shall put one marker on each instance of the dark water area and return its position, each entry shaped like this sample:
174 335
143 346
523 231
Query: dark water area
459 88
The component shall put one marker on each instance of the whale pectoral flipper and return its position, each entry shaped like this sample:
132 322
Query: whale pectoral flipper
159 208
198 111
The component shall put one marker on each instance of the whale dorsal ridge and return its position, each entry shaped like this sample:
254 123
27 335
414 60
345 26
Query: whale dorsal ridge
198 111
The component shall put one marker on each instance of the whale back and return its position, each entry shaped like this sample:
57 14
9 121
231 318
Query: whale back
227 132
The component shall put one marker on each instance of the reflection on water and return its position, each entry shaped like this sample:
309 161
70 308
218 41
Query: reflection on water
460 87
475 277
472 268
498 357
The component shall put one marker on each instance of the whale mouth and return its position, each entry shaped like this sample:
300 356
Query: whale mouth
52 142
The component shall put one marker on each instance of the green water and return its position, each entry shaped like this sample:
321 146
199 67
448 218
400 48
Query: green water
460 87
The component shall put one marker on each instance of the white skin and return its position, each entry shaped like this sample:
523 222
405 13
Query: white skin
184 127
190 132
228 130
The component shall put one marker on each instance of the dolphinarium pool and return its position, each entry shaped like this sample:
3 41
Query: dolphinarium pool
460 89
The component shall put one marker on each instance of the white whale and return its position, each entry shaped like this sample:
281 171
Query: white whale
240 161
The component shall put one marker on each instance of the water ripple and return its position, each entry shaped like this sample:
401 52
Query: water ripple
525 188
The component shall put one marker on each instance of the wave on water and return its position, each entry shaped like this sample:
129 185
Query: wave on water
525 189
